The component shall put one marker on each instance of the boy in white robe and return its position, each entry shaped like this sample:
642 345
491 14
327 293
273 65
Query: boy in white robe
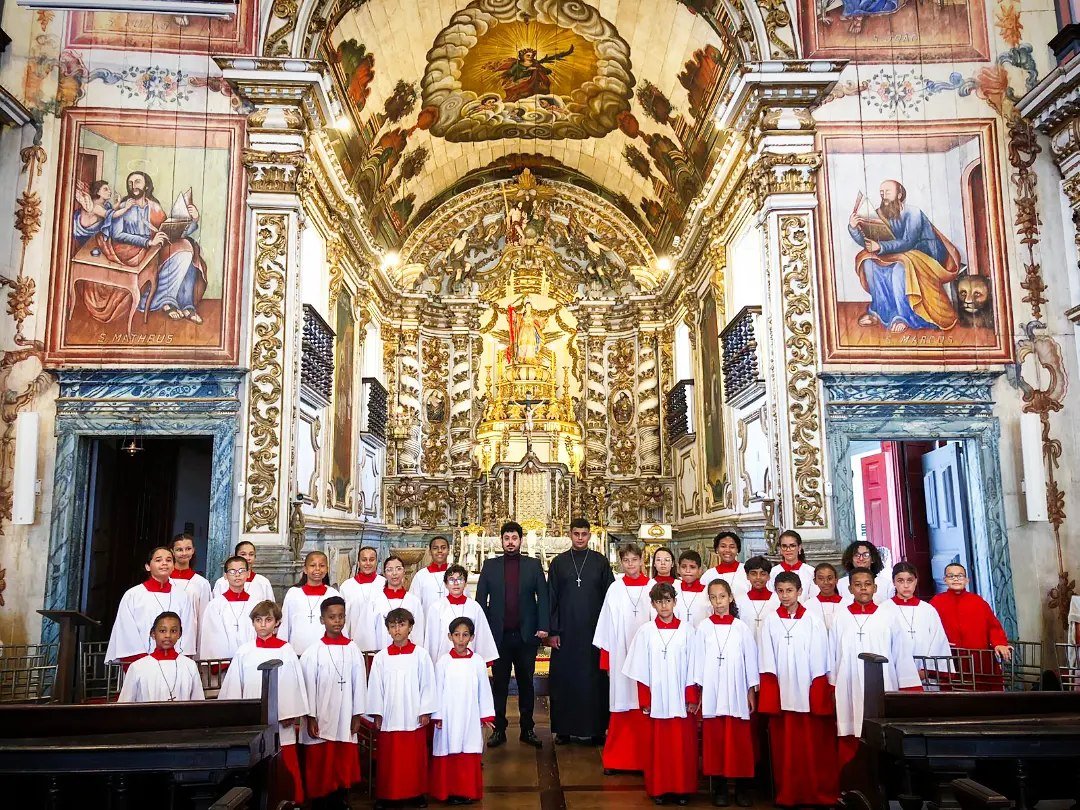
300 623
728 547
336 681
402 696
920 621
866 627
691 601
257 585
793 560
659 662
795 694
427 584
373 633
826 603
225 622
243 680
452 607
185 578
163 675
626 608
466 708
357 591
141 605
759 602
725 667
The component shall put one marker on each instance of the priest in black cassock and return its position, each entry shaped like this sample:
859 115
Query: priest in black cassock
578 580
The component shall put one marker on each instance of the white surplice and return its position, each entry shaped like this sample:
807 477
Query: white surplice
258 586
300 617
736 578
428 587
806 576
402 687
335 677
357 595
885 588
437 629
464 701
755 611
725 665
150 680
922 625
135 619
225 626
691 606
615 631
880 633
373 634
826 611
659 658
796 651
244 680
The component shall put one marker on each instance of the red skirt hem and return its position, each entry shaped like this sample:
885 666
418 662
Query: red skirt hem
627 745
330 766
457 775
804 759
673 757
402 764
727 747
287 777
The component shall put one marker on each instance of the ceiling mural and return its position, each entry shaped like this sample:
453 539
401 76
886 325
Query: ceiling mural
461 94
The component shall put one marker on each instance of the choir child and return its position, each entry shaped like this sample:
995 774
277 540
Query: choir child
300 624
691 601
402 696
626 608
225 624
357 591
164 674
758 602
257 585
725 666
373 634
427 583
465 708
795 694
140 605
336 681
728 546
918 619
243 680
184 578
663 566
862 554
793 559
659 663
970 623
865 627
826 602
456 605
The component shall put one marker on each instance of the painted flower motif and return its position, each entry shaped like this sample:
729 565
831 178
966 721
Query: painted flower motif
1007 20
901 92
991 85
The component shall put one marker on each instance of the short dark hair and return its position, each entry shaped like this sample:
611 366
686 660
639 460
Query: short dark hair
798 541
455 569
823 567
457 621
788 578
691 555
631 548
241 544
905 568
442 537
267 607
329 602
580 523
399 615
661 590
955 564
757 563
234 559
732 535
859 570
512 526
168 614
391 558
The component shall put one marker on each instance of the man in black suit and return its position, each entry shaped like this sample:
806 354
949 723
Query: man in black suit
514 596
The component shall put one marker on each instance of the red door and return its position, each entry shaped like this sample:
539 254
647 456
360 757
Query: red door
875 481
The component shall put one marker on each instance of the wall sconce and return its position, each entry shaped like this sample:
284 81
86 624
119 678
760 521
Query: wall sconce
25 484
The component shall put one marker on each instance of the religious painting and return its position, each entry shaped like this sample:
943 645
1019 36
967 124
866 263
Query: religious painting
890 31
912 243
149 220
341 464
712 402
165 33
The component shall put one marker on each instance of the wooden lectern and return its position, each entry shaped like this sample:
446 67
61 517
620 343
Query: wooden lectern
70 621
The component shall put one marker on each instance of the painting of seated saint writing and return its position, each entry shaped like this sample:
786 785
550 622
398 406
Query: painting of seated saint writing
914 263
134 271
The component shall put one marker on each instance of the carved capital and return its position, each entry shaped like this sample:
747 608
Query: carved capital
781 173
273 172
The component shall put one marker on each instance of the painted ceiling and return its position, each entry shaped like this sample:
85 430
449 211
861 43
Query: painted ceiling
447 95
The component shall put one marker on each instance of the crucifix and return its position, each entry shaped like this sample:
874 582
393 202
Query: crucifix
720 659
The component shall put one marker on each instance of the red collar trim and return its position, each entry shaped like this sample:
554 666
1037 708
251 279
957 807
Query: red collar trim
243 596
783 613
667 580
394 593
858 610
794 567
454 653
187 573
693 587
435 569
672 625
366 579
407 649
640 579
727 618
313 590
906 602
457 600
759 594
164 655
272 643
833 600
154 586
728 568
251 576
340 641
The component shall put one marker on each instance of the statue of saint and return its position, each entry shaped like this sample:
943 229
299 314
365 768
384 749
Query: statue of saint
530 336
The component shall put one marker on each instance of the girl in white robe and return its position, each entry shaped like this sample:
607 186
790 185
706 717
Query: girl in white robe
920 621
728 547
257 585
163 675
691 600
300 624
758 603
226 623
373 632
427 584
792 559
662 566
465 709
862 554
452 607
130 637
185 578
357 591
626 608
243 680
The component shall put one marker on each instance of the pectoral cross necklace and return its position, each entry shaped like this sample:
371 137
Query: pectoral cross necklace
789 627
633 602
668 642
176 677
236 615
861 625
727 638
577 571
910 622
339 670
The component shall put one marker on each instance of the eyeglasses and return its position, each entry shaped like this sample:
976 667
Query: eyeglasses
862 554
454 581
235 571
956 576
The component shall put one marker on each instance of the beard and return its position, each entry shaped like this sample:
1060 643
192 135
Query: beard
136 193
891 210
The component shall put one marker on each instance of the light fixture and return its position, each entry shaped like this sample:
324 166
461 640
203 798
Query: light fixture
390 260
133 446
663 264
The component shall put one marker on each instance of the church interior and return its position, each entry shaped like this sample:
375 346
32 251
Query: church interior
321 275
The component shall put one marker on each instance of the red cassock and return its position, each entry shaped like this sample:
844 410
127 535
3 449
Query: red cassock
672 755
330 766
727 747
803 745
402 772
627 744
457 775
970 623
286 776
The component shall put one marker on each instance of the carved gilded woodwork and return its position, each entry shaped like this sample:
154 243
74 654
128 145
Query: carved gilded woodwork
273 172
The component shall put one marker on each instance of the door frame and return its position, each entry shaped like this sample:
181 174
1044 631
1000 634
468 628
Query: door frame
159 402
929 405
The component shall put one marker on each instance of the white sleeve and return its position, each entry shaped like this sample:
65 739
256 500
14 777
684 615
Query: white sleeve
696 673
429 698
907 674
359 682
766 653
130 691
487 701
375 698
604 637
484 643
440 689
231 687
292 691
286 617
750 657
417 634
636 666
196 681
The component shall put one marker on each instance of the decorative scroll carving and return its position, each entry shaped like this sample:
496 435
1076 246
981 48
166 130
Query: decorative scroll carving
461 382
317 359
436 361
621 405
648 405
274 172
743 382
267 375
277 41
595 412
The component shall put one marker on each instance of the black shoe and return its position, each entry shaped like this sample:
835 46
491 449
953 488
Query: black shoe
720 796
743 798
598 740
529 738
682 801
496 739
562 739
609 772
421 801
658 800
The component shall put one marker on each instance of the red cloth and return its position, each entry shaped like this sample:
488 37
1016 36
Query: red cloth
759 594
230 596
804 759
402 764
605 660
834 599
154 586
692 587
727 568
273 643
185 573
365 579
313 590
790 568
664 580
340 641
906 602
436 569
456 775
638 581
784 613
405 649
164 655
286 777
456 600
627 745
822 699
393 593
727 747
251 576
727 618
692 694
330 766
846 749
970 623
855 609
671 765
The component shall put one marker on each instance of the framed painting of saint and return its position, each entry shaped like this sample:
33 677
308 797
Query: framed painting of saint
164 33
